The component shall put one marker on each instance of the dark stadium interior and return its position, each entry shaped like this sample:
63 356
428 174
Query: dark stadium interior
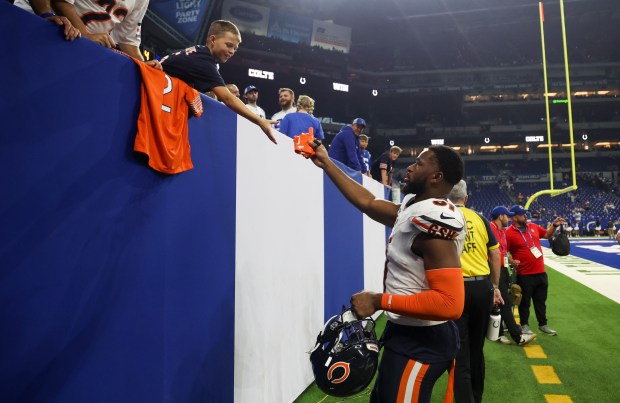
468 74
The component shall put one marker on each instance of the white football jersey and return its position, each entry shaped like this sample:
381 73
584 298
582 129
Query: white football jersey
405 272
257 110
121 19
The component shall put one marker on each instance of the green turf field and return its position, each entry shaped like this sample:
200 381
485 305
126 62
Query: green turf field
585 355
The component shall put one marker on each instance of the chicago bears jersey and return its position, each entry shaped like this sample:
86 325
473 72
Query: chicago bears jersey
162 124
119 18
405 272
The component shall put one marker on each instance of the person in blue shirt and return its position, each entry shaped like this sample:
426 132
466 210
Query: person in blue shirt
346 145
365 153
293 124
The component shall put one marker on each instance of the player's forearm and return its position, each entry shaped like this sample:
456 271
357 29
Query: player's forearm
444 300
379 210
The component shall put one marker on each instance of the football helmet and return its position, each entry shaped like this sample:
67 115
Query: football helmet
345 357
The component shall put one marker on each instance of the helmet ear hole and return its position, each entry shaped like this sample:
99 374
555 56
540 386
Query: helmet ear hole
346 356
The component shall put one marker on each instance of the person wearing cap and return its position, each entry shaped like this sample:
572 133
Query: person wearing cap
523 244
299 122
383 166
499 216
365 154
346 145
250 94
198 66
480 262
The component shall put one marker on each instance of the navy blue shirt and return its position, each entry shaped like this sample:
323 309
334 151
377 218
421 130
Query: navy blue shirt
195 66
293 124
383 162
346 148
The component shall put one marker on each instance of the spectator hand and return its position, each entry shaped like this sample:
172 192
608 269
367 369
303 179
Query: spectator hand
102 39
70 31
265 126
363 303
558 221
155 64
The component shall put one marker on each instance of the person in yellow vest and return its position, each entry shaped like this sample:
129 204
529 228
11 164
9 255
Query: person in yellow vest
480 262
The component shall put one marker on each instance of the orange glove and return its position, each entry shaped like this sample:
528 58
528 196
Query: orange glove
300 143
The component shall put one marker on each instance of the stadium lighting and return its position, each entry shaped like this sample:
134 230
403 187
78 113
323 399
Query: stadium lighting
511 147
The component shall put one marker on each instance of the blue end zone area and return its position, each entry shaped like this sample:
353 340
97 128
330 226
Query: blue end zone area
108 285
600 250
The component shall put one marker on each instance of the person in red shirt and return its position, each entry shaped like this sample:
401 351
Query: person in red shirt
500 218
523 242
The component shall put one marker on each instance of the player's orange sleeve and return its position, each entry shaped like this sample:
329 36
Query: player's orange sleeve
444 301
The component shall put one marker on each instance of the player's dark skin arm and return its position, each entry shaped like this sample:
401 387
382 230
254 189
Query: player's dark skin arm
380 210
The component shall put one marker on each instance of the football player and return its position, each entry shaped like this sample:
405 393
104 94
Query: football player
423 284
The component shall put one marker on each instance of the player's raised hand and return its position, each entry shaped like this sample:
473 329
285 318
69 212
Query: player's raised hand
320 157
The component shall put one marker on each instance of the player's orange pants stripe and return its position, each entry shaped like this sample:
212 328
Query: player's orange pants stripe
411 382
449 397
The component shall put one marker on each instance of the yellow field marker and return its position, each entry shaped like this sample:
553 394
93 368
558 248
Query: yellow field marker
545 374
534 351
558 399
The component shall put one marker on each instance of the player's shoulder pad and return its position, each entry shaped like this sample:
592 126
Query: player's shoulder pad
437 217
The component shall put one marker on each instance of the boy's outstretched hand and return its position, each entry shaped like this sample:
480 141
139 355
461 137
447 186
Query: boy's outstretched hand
266 127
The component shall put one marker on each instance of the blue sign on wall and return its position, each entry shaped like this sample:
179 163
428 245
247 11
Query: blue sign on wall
186 16
290 27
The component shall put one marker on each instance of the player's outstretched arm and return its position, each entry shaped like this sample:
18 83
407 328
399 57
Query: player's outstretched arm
234 103
380 210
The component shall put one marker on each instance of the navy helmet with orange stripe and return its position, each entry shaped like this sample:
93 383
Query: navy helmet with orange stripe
346 355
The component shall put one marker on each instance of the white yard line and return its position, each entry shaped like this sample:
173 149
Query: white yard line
601 278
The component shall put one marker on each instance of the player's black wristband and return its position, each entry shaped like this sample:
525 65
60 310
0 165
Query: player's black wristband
556 225
47 15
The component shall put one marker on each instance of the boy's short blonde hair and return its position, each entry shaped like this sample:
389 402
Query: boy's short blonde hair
396 148
220 27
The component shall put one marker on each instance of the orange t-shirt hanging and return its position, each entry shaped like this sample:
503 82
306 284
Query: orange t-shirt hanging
162 124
